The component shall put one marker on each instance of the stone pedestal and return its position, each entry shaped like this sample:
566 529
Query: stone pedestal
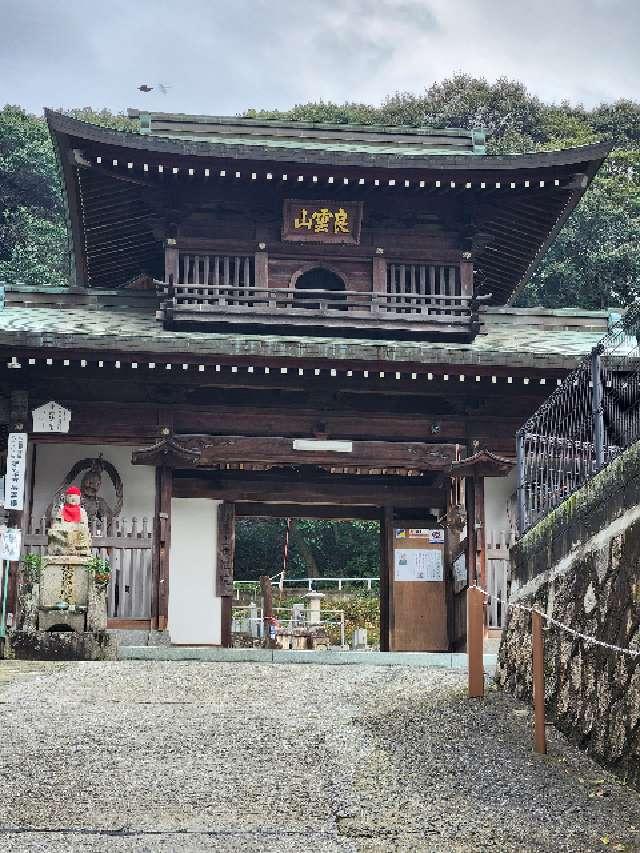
64 579
313 607
96 606
68 620
28 597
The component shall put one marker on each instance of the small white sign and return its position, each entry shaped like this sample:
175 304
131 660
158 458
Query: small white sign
51 417
10 542
460 569
417 564
16 462
322 444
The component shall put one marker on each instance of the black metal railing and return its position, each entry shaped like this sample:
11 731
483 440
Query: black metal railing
586 423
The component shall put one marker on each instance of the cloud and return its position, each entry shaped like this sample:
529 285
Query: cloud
222 56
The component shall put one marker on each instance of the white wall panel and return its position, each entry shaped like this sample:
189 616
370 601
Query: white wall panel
194 608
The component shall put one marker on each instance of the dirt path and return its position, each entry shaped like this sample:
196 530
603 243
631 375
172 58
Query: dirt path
136 756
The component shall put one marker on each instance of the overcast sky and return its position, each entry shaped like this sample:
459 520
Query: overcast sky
224 56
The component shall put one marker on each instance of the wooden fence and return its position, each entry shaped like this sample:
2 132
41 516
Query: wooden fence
129 547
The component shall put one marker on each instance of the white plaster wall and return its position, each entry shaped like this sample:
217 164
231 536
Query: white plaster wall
54 461
194 607
499 506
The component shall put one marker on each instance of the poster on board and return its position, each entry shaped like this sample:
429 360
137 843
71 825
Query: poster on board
418 564
10 542
16 463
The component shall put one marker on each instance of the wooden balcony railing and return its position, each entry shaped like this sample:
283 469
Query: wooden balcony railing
203 290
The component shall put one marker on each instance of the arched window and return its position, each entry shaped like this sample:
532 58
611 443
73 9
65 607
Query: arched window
324 284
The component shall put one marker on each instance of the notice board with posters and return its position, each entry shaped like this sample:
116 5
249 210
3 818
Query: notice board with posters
419 599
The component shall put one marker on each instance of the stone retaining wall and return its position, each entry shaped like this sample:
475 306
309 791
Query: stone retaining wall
581 566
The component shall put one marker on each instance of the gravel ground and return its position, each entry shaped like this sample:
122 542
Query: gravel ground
135 756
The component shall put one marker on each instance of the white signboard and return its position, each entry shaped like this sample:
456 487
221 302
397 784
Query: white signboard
417 564
51 417
323 444
10 541
16 461
460 569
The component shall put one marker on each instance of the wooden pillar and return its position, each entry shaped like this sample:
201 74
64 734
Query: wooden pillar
475 641
18 419
262 269
387 618
226 547
470 506
162 548
481 554
451 549
466 278
537 665
379 281
171 264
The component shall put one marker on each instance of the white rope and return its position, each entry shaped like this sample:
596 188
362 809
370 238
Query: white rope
586 638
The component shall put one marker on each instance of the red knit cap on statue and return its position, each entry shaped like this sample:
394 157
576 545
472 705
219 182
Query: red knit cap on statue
73 490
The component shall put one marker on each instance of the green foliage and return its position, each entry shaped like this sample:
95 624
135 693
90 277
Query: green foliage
335 548
100 569
31 568
593 262
360 611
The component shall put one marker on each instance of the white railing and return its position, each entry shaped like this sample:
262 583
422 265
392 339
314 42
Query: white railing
298 619
280 581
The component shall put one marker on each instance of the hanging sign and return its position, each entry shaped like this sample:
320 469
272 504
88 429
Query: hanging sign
418 564
10 542
51 417
16 463
321 221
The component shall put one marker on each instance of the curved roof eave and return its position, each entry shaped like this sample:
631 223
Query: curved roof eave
61 124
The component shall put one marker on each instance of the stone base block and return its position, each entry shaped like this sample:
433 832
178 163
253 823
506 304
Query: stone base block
64 645
74 620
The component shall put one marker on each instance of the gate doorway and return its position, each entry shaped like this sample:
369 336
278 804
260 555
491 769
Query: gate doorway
325 578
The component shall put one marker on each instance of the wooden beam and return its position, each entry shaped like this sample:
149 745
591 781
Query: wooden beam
340 490
299 510
211 450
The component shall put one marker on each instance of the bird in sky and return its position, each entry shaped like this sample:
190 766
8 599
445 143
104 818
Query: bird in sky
145 87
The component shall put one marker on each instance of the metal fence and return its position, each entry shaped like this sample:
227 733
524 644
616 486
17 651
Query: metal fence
591 417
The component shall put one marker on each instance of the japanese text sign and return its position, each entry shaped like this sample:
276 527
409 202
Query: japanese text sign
321 221
10 543
51 417
16 462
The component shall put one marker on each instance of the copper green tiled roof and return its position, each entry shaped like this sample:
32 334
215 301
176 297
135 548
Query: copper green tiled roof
311 136
114 330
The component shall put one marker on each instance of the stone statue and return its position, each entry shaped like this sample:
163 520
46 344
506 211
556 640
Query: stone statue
96 507
69 531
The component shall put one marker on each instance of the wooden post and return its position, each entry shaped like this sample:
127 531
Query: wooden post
475 641
224 568
379 282
481 571
386 581
470 506
537 665
261 269
164 490
18 418
267 610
